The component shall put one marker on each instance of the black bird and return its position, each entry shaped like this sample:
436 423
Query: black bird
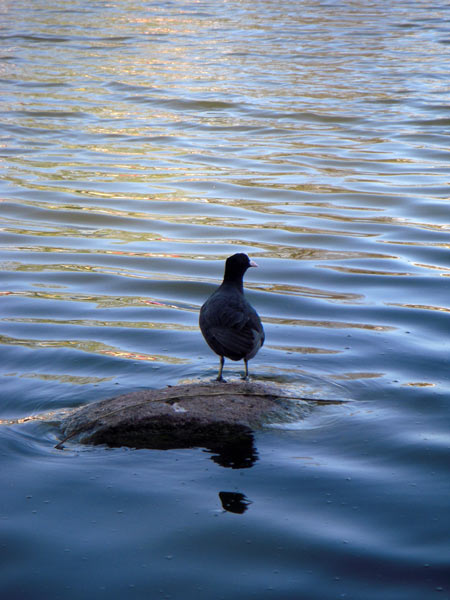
229 324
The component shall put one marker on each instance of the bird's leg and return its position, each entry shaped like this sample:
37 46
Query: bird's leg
245 378
219 376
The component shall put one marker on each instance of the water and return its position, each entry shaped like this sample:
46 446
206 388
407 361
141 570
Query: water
144 142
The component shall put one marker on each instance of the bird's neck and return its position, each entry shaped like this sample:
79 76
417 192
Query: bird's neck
233 281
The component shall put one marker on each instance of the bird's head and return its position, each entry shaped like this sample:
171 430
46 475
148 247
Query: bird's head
236 265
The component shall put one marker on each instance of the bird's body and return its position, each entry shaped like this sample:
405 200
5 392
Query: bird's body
229 324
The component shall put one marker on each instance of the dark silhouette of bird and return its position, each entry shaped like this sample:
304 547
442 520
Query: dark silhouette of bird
229 324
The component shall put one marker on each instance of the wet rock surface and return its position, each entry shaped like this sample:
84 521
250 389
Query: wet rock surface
216 416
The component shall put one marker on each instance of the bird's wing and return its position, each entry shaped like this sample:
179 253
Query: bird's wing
233 343
234 332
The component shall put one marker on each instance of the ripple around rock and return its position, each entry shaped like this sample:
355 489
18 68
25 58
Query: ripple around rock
217 416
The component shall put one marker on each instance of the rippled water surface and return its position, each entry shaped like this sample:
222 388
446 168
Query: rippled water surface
141 144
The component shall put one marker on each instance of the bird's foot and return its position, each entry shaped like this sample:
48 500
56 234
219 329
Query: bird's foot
221 379
245 378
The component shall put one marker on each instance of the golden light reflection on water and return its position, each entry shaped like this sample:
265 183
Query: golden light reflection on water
54 415
109 324
66 378
422 307
434 268
304 291
91 347
101 301
177 326
327 324
417 243
265 250
359 271
303 349
357 375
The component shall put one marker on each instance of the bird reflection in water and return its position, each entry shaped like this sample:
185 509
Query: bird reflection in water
234 502
230 446
238 452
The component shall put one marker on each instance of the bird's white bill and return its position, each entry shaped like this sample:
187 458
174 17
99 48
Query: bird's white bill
253 264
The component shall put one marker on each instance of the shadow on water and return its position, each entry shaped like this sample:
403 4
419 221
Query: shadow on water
235 450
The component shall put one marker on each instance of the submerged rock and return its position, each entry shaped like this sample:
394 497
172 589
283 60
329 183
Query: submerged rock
217 416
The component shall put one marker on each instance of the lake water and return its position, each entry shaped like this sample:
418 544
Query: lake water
141 144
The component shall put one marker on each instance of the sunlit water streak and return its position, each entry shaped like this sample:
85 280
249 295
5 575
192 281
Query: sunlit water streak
141 144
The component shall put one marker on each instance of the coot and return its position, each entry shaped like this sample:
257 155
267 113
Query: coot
229 324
